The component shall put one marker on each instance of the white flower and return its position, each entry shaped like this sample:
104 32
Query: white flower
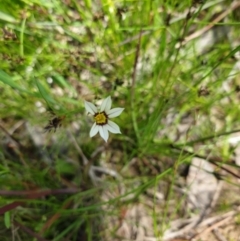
101 116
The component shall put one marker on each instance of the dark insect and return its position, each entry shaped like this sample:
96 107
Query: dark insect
168 19
8 34
117 82
237 88
203 91
120 12
54 123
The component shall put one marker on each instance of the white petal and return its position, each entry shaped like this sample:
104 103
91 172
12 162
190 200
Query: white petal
106 104
114 112
91 108
103 132
94 130
113 127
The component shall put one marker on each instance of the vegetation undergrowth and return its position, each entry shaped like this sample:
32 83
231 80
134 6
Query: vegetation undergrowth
171 65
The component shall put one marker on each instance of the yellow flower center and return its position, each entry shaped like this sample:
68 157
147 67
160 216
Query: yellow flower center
101 118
